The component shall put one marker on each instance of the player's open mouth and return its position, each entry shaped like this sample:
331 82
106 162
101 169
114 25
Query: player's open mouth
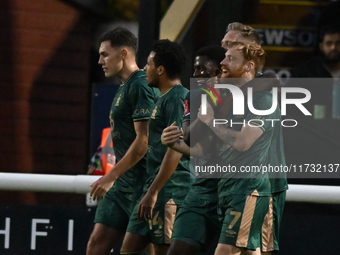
225 72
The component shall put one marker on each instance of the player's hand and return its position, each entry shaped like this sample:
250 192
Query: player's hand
146 206
211 82
170 135
100 187
91 168
208 117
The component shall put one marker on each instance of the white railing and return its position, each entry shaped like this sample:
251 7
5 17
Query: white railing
314 194
82 184
47 182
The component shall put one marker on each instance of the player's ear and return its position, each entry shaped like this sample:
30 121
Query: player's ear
160 70
123 53
250 66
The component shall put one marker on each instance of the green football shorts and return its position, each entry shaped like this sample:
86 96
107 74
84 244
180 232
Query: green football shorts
243 217
197 225
272 222
159 229
115 209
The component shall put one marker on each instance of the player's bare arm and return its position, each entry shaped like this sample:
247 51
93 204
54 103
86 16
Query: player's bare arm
240 140
168 167
171 137
186 131
136 151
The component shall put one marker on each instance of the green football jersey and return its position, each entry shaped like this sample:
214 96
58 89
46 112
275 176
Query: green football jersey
186 105
133 102
202 190
276 157
192 103
167 109
202 187
257 156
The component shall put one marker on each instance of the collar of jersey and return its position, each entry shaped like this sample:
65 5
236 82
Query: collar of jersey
130 77
169 90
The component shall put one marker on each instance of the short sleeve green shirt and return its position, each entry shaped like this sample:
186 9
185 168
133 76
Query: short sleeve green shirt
167 109
202 187
257 155
133 102
192 103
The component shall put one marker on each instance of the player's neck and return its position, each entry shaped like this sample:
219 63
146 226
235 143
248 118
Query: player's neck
166 85
246 77
128 69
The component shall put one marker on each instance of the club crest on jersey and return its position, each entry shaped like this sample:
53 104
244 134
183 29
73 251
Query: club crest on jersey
117 102
153 115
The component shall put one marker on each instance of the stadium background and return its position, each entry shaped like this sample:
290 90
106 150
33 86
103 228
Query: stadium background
53 93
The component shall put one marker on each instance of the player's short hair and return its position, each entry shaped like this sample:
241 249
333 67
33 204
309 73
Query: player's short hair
120 37
252 52
248 33
171 55
328 30
213 52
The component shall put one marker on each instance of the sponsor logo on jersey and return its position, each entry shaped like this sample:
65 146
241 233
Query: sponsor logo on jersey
141 111
115 135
